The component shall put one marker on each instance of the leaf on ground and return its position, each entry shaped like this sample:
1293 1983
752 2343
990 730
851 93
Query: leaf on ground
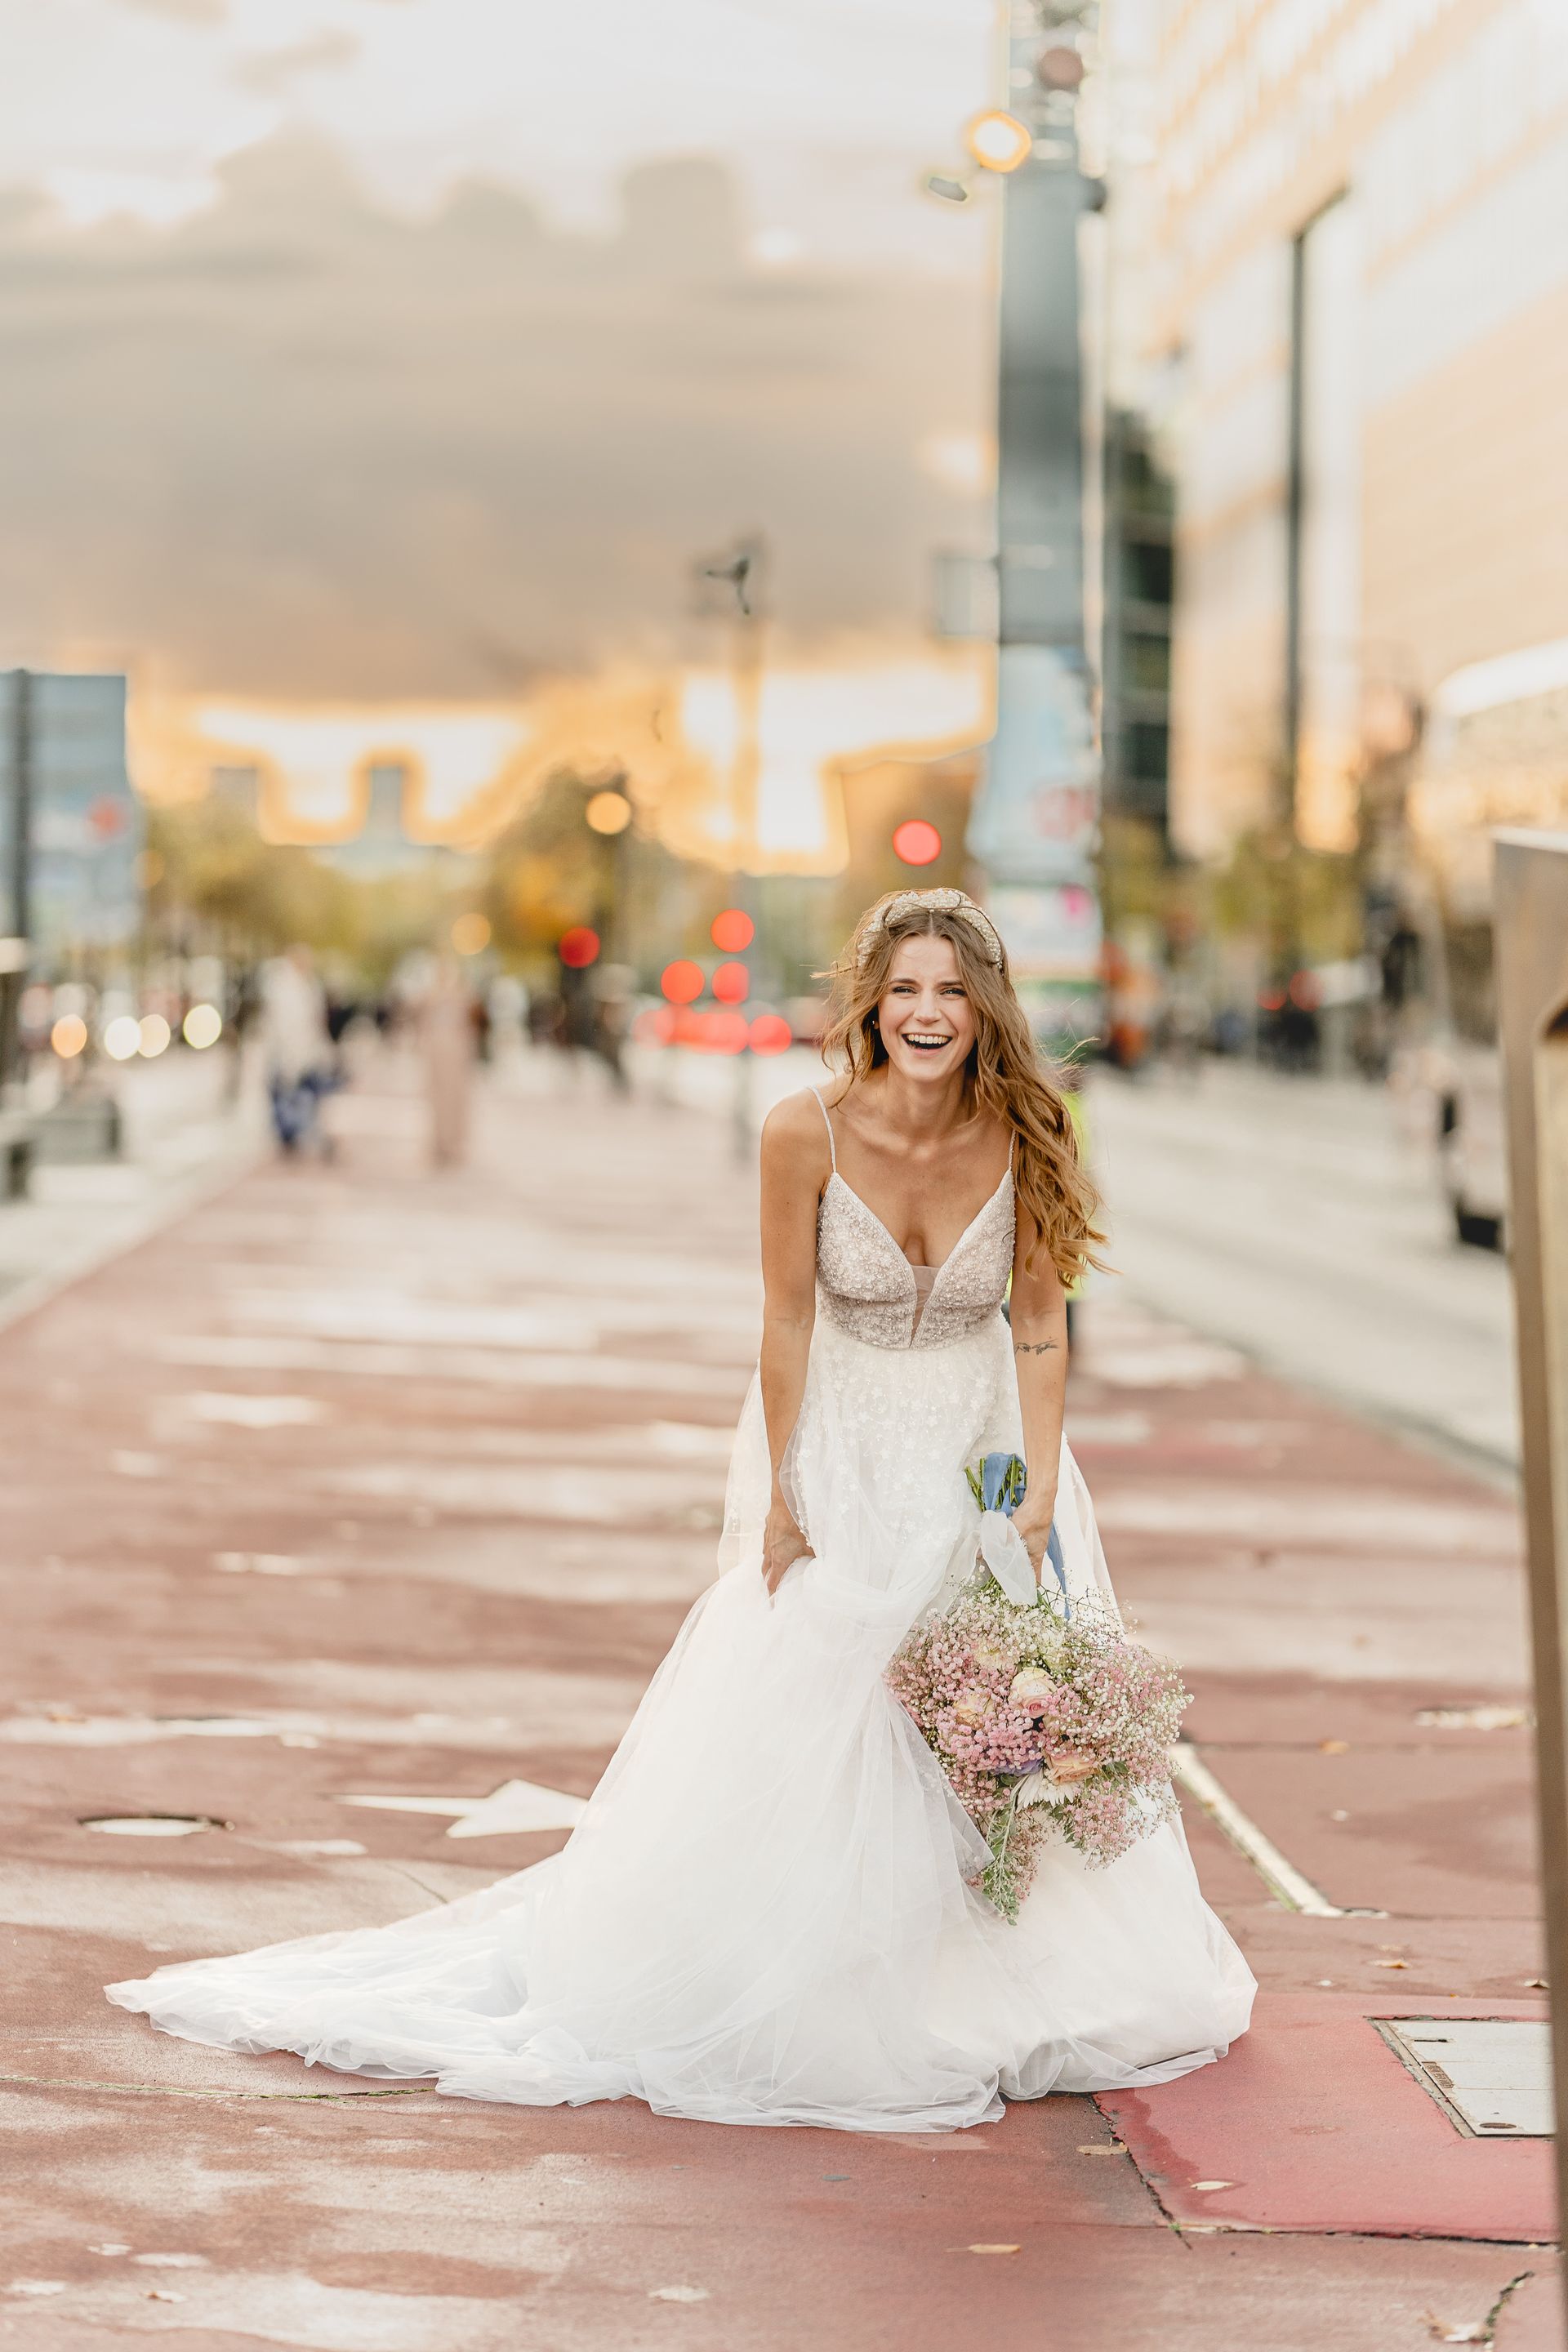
994 2250
1103 2147
1536 1984
678 2295
1473 2331
1333 1746
164 2294
1390 1964
1204 2187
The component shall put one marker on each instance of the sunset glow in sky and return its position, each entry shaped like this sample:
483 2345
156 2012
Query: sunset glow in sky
434 343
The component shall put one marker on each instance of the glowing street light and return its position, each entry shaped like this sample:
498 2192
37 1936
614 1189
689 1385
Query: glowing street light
123 1037
202 1026
999 140
68 1036
153 1035
609 811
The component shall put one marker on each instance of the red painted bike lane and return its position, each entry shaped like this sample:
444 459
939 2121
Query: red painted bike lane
358 1483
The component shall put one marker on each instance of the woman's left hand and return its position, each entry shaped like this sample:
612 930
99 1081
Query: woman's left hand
1034 1521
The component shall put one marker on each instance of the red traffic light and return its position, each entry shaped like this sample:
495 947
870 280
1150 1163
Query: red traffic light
771 1033
578 948
732 983
916 843
724 1032
733 931
681 980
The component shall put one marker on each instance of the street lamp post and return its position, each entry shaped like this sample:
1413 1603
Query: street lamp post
732 584
1034 828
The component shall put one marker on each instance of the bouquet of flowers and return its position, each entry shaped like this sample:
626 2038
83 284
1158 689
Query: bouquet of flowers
1042 1714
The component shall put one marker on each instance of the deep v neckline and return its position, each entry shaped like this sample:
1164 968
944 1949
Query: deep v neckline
882 1228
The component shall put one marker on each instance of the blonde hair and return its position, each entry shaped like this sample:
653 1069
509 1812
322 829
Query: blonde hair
1005 1072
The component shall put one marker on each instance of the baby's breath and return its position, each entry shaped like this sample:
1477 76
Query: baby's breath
1001 1694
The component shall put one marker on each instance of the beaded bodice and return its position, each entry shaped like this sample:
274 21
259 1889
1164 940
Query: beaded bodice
867 1287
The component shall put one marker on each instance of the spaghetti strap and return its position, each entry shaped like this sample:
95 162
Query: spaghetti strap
828 1123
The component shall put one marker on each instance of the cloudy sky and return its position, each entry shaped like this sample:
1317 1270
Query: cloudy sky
389 348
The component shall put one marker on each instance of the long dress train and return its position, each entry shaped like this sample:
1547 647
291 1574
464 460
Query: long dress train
765 1915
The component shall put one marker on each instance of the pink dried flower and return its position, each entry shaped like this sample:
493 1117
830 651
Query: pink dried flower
1013 1700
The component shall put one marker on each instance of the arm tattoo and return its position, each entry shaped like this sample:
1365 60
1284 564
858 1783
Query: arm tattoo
1033 1347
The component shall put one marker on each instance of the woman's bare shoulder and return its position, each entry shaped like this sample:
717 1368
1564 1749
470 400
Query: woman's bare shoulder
795 1132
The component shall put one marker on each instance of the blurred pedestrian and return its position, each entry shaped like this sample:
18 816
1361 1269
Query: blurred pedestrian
447 1035
612 1021
297 1049
242 1011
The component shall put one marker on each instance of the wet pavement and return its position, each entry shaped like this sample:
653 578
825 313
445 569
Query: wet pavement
354 1482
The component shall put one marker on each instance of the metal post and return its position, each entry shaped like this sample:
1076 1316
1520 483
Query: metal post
22 794
1531 913
15 946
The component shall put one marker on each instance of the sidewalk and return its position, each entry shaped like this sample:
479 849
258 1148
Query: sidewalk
354 1483
183 1137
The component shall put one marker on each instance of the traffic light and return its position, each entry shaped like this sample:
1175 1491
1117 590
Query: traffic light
917 841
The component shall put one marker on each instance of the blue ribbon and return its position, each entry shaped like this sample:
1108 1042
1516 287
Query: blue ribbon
1001 1485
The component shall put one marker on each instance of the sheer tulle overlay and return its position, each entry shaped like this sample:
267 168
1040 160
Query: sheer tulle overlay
765 1915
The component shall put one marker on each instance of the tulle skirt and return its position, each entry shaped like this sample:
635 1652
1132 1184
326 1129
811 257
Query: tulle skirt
766 1914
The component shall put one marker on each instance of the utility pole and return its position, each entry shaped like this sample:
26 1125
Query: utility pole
1034 829
16 944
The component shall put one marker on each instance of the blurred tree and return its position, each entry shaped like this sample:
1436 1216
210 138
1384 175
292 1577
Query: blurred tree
213 884
212 880
550 870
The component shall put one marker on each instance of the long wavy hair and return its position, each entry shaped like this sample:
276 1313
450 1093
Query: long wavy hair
1005 1075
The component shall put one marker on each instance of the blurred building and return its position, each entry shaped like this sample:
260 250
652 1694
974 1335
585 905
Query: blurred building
70 826
384 843
1135 679
1359 303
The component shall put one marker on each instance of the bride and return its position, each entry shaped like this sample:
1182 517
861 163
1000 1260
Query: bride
768 1914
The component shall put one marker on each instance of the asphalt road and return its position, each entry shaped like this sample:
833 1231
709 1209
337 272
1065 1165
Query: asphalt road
1301 1219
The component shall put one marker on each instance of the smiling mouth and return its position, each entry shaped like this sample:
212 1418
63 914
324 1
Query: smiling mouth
924 1045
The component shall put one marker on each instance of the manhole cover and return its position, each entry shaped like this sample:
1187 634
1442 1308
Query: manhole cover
1491 2076
151 1824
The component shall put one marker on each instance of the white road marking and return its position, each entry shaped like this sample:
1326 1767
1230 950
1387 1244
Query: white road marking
1293 1888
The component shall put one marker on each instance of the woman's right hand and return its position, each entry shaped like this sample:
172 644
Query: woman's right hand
782 1545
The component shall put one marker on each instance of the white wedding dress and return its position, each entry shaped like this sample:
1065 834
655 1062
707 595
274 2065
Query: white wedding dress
766 1914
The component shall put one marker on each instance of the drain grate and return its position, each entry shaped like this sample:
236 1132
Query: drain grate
1491 2076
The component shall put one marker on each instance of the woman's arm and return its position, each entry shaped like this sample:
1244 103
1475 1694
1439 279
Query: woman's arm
795 1165
1039 1311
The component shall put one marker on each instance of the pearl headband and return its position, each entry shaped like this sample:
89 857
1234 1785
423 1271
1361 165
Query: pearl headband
944 902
